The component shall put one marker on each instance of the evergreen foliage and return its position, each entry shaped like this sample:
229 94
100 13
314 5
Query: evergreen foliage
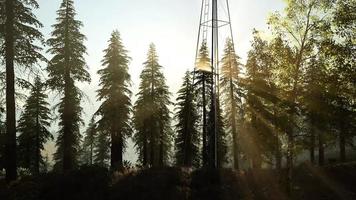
67 67
231 93
187 134
89 143
151 114
33 127
115 93
20 42
202 87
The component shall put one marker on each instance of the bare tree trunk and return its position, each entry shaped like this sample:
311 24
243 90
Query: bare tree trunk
312 140
342 141
321 148
10 145
205 152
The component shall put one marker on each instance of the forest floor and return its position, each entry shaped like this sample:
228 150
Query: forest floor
336 182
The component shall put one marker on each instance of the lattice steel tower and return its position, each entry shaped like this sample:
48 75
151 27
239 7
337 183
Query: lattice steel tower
215 22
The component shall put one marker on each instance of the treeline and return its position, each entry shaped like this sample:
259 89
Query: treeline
295 93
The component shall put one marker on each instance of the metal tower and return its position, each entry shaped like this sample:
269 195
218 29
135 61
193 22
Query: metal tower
215 20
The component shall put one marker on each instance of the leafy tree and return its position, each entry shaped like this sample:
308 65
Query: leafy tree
231 92
33 128
151 114
19 38
66 67
115 93
298 24
187 138
337 47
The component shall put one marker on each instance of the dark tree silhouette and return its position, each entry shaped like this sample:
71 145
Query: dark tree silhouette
20 36
151 114
187 134
115 93
202 86
65 68
89 143
33 128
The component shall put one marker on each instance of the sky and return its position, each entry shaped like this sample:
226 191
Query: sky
172 25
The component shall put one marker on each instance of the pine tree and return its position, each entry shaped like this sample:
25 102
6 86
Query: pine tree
187 138
66 68
33 128
115 93
151 114
102 148
221 143
202 85
231 93
89 143
19 34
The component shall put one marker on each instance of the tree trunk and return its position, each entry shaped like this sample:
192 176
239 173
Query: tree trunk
290 163
312 140
321 148
205 152
68 132
116 150
10 145
233 126
342 142
38 149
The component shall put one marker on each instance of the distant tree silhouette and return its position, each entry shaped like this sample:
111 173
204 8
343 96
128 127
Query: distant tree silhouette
89 143
102 149
19 36
115 93
33 128
187 134
153 135
66 67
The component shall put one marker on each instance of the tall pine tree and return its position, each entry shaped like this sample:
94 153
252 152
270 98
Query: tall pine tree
202 85
231 92
115 93
33 128
66 68
187 134
19 36
151 114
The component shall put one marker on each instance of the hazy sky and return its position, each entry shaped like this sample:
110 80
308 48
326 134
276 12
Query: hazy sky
171 24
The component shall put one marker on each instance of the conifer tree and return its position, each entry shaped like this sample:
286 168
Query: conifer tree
102 148
19 36
89 143
115 93
151 114
67 67
33 128
187 138
231 92
221 143
202 85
